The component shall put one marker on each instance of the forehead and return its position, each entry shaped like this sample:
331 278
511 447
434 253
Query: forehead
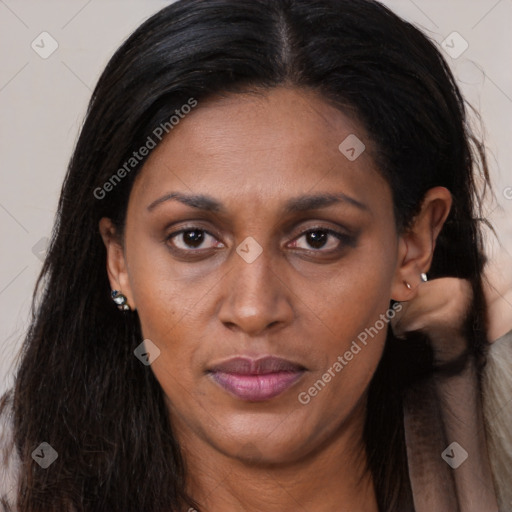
261 147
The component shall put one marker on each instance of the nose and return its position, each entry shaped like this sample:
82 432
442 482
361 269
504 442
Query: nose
257 297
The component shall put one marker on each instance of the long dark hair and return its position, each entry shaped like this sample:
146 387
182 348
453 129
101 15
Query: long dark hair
79 386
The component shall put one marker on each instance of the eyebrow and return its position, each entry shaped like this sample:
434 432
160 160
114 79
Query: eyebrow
296 204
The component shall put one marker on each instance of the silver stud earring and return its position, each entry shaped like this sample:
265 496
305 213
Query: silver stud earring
424 277
120 301
408 285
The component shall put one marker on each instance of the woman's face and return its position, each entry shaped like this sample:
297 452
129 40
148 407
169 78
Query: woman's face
234 273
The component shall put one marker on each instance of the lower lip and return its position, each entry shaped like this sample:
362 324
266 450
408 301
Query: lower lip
256 388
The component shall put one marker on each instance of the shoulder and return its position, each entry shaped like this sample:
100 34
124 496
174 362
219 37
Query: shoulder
9 459
497 395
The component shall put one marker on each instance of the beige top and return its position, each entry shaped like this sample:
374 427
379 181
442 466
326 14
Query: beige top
450 468
463 462
9 461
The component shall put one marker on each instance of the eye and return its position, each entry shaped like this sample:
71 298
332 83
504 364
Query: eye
192 238
322 238
195 239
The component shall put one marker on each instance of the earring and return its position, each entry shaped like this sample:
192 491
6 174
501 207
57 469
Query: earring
120 301
424 277
408 285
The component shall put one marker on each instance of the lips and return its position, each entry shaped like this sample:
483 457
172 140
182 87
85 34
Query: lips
256 380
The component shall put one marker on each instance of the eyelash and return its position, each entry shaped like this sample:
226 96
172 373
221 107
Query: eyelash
345 240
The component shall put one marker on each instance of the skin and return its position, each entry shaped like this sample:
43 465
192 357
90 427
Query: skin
305 303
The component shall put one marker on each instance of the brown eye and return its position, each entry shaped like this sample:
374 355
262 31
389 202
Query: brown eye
317 239
191 239
322 239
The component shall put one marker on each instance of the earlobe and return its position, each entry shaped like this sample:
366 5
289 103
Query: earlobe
115 262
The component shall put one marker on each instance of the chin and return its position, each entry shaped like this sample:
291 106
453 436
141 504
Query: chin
262 449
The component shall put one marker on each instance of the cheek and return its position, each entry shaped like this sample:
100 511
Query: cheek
160 286
165 305
168 310
356 315
351 298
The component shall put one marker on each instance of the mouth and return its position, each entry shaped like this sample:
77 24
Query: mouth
256 380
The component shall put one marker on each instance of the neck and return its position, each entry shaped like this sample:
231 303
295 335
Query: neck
333 477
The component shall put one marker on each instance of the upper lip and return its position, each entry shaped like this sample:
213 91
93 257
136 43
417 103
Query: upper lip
249 366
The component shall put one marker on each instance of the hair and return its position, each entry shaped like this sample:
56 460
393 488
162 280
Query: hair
79 386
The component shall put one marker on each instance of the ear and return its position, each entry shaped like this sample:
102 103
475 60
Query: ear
416 245
116 262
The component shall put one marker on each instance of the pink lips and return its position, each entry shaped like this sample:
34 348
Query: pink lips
256 380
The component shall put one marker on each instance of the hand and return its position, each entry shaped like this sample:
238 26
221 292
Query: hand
438 310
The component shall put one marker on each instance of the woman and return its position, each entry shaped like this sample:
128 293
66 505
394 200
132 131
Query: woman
257 194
